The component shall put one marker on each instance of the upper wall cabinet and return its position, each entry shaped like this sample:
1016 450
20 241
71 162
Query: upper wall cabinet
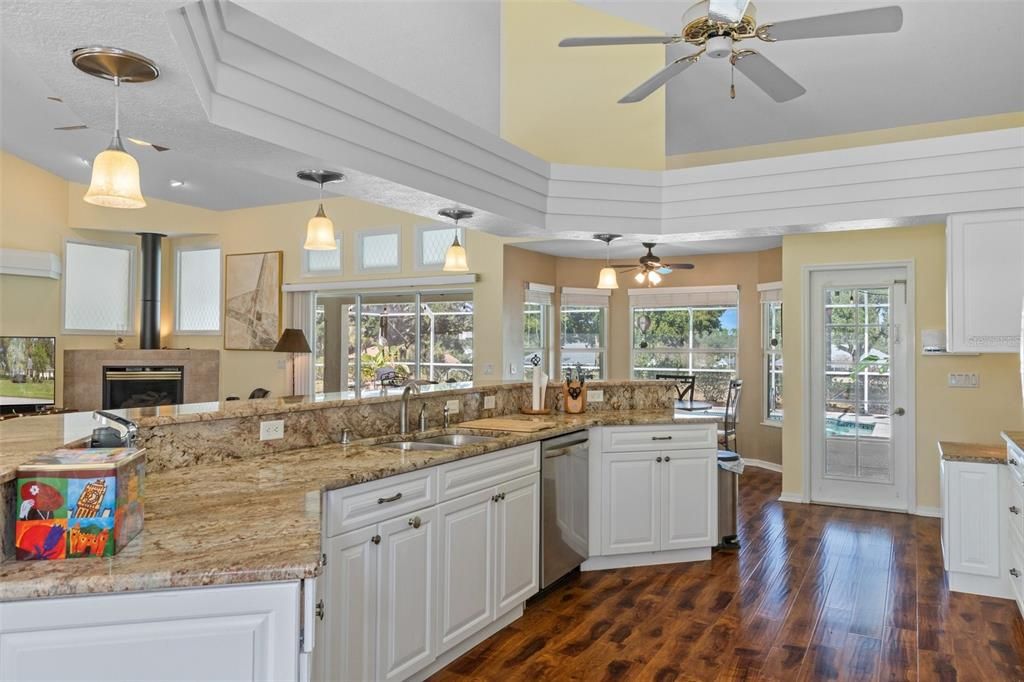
984 281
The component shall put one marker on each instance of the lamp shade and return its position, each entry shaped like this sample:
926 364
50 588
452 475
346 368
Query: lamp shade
292 341
607 279
115 180
320 233
455 258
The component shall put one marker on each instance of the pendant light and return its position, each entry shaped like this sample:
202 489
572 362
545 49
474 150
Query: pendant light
320 229
455 256
115 179
608 278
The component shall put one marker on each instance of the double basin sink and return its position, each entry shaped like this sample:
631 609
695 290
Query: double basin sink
444 442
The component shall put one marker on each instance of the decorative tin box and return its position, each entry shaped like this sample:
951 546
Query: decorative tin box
79 502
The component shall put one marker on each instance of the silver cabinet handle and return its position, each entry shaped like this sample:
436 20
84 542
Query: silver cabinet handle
375 539
320 609
658 459
1014 509
415 522
661 437
394 498
1014 572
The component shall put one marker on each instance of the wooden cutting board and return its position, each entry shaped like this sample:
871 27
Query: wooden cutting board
505 424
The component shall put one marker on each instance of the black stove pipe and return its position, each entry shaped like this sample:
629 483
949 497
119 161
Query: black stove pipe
149 333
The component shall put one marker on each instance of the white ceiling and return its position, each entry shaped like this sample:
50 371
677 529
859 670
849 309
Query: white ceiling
629 247
952 59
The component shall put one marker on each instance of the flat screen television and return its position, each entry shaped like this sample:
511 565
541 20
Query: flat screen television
27 372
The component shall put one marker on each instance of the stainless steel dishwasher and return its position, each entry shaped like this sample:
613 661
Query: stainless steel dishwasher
565 506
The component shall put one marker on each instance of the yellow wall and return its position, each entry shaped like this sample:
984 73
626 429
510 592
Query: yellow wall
561 104
943 413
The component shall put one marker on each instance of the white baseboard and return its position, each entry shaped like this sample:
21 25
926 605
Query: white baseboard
791 497
672 556
761 464
933 512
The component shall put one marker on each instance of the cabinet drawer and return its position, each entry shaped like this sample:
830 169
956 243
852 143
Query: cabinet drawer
367 503
1015 462
476 473
1015 501
631 439
1016 555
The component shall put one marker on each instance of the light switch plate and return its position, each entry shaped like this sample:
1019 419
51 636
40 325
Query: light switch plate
964 380
595 396
272 430
453 406
488 402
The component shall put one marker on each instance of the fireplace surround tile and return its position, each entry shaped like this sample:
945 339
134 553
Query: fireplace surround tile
83 373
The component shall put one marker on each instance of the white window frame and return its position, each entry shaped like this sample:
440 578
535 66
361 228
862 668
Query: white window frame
220 290
306 272
543 295
433 227
133 259
770 295
362 235
602 351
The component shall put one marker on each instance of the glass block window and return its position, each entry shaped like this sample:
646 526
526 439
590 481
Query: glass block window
98 287
323 262
432 244
380 251
197 303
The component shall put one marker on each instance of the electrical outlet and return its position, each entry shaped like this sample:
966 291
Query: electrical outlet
453 406
272 430
282 363
488 402
964 380
513 368
595 396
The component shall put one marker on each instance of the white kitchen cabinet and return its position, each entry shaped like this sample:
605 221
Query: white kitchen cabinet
466 566
349 640
517 542
984 257
632 503
689 485
244 632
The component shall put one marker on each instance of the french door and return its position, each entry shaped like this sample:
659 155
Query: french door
861 348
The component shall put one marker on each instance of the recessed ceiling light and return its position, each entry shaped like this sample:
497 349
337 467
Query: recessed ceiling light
177 183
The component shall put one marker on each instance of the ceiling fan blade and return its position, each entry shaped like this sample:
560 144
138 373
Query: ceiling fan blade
642 91
160 148
77 127
618 40
765 75
678 266
861 22
727 11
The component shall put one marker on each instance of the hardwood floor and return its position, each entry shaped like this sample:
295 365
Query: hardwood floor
815 593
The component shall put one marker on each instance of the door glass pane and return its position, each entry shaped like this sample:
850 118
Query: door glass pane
387 347
856 384
446 327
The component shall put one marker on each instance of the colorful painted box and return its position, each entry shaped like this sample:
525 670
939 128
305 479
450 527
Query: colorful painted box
75 503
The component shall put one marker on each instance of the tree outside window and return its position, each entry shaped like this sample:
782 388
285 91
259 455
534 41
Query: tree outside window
584 332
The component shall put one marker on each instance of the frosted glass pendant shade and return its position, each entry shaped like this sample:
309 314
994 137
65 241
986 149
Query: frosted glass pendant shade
320 233
640 277
607 279
455 258
115 179
654 278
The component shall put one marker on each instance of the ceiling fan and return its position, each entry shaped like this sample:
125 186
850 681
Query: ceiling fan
716 26
141 143
651 269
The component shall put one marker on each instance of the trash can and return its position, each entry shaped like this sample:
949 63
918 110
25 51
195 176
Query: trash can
730 466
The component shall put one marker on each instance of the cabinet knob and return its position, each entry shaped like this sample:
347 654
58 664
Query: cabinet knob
502 496
415 522
375 539
1013 461
1014 572
668 459
1014 509
658 459
320 609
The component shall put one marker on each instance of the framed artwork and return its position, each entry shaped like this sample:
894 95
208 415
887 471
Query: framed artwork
252 300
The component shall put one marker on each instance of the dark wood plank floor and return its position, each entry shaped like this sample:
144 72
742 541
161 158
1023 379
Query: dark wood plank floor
815 593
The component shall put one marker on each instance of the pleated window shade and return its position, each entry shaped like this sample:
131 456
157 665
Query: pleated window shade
669 297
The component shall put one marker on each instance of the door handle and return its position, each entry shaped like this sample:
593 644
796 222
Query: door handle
661 437
899 412
394 498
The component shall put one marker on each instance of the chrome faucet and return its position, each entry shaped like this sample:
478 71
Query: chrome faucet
131 429
403 413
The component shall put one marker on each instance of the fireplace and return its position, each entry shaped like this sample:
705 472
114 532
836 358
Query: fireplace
143 386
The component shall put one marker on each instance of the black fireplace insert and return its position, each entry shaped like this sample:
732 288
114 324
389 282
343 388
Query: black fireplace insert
145 386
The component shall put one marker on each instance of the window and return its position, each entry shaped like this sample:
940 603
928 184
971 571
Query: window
584 320
322 262
432 244
771 348
197 299
537 300
687 330
98 287
379 250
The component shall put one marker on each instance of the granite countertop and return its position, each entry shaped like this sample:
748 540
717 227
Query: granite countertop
258 519
972 452
1016 438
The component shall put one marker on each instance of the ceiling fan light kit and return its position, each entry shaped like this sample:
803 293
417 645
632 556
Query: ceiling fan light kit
717 26
455 257
320 229
115 180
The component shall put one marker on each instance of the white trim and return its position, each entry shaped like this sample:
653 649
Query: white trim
378 284
773 423
30 263
418 230
769 286
910 335
306 272
930 512
640 292
761 464
178 250
795 498
373 232
133 287
586 292
671 556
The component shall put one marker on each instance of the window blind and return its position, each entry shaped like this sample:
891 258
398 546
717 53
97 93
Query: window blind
541 294
585 297
654 297
770 292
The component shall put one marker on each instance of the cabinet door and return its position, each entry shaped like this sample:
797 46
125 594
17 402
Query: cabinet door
632 507
466 567
407 590
689 505
973 511
350 618
517 538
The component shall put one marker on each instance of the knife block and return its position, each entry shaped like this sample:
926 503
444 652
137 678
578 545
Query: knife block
574 395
